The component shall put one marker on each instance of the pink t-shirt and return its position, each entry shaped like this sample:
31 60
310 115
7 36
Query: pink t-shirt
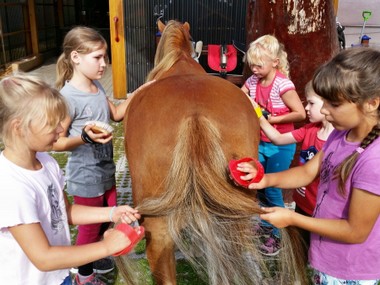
269 98
305 197
338 259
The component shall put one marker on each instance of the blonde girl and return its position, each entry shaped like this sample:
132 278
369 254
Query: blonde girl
345 240
270 87
35 246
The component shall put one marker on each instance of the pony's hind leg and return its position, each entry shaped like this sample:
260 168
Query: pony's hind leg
160 251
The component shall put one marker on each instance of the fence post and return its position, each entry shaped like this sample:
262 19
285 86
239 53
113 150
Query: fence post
118 49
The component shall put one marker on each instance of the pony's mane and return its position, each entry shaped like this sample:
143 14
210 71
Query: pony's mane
174 44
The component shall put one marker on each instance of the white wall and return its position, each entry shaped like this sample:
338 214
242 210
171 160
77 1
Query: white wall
350 15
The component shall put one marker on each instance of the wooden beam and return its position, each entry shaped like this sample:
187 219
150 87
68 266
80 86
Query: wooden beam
118 48
61 22
336 6
33 26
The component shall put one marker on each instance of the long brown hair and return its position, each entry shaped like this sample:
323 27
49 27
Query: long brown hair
353 76
84 40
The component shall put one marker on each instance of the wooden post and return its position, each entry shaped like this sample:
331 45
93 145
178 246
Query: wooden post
118 48
306 28
33 26
61 23
336 6
308 31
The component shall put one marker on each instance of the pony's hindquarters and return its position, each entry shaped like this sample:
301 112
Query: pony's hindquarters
179 144
208 218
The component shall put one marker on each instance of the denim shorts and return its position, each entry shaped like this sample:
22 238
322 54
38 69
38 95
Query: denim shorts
320 278
67 281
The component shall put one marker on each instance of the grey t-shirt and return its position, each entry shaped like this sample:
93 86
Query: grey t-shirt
90 170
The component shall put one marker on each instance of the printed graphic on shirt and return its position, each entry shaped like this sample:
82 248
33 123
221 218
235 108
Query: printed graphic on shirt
307 154
87 111
56 213
103 151
327 172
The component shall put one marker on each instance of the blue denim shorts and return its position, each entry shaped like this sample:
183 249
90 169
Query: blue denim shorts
67 281
320 278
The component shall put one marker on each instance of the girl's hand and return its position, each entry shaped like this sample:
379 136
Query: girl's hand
115 241
141 87
101 138
125 214
277 216
251 173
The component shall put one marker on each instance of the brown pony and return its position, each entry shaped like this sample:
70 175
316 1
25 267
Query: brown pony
180 133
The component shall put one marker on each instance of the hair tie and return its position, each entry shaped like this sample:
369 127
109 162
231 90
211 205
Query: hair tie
359 150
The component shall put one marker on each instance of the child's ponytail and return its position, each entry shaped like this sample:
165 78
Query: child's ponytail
283 64
64 71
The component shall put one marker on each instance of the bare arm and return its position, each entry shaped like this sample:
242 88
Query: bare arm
275 136
292 178
297 111
118 112
47 257
66 143
81 215
245 89
363 213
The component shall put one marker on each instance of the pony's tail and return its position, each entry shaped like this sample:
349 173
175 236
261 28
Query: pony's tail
209 219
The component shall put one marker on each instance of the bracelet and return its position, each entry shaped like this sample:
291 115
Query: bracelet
266 114
86 138
111 213
258 111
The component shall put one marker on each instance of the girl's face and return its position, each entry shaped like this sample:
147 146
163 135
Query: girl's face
93 64
42 139
263 70
343 115
313 107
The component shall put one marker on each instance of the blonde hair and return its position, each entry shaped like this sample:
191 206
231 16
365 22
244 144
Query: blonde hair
269 46
352 76
28 99
83 40
174 43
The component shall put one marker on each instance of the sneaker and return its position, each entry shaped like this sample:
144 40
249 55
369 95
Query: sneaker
271 246
104 265
91 280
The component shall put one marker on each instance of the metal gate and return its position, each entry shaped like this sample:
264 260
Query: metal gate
16 37
211 21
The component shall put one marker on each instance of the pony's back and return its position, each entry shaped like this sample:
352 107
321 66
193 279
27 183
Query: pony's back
180 133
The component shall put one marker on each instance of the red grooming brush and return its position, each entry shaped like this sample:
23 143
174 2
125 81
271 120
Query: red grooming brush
135 234
235 174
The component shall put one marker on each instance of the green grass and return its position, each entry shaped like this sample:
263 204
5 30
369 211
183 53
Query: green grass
185 274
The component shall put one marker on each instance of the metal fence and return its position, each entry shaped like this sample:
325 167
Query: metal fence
15 28
211 21
14 39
